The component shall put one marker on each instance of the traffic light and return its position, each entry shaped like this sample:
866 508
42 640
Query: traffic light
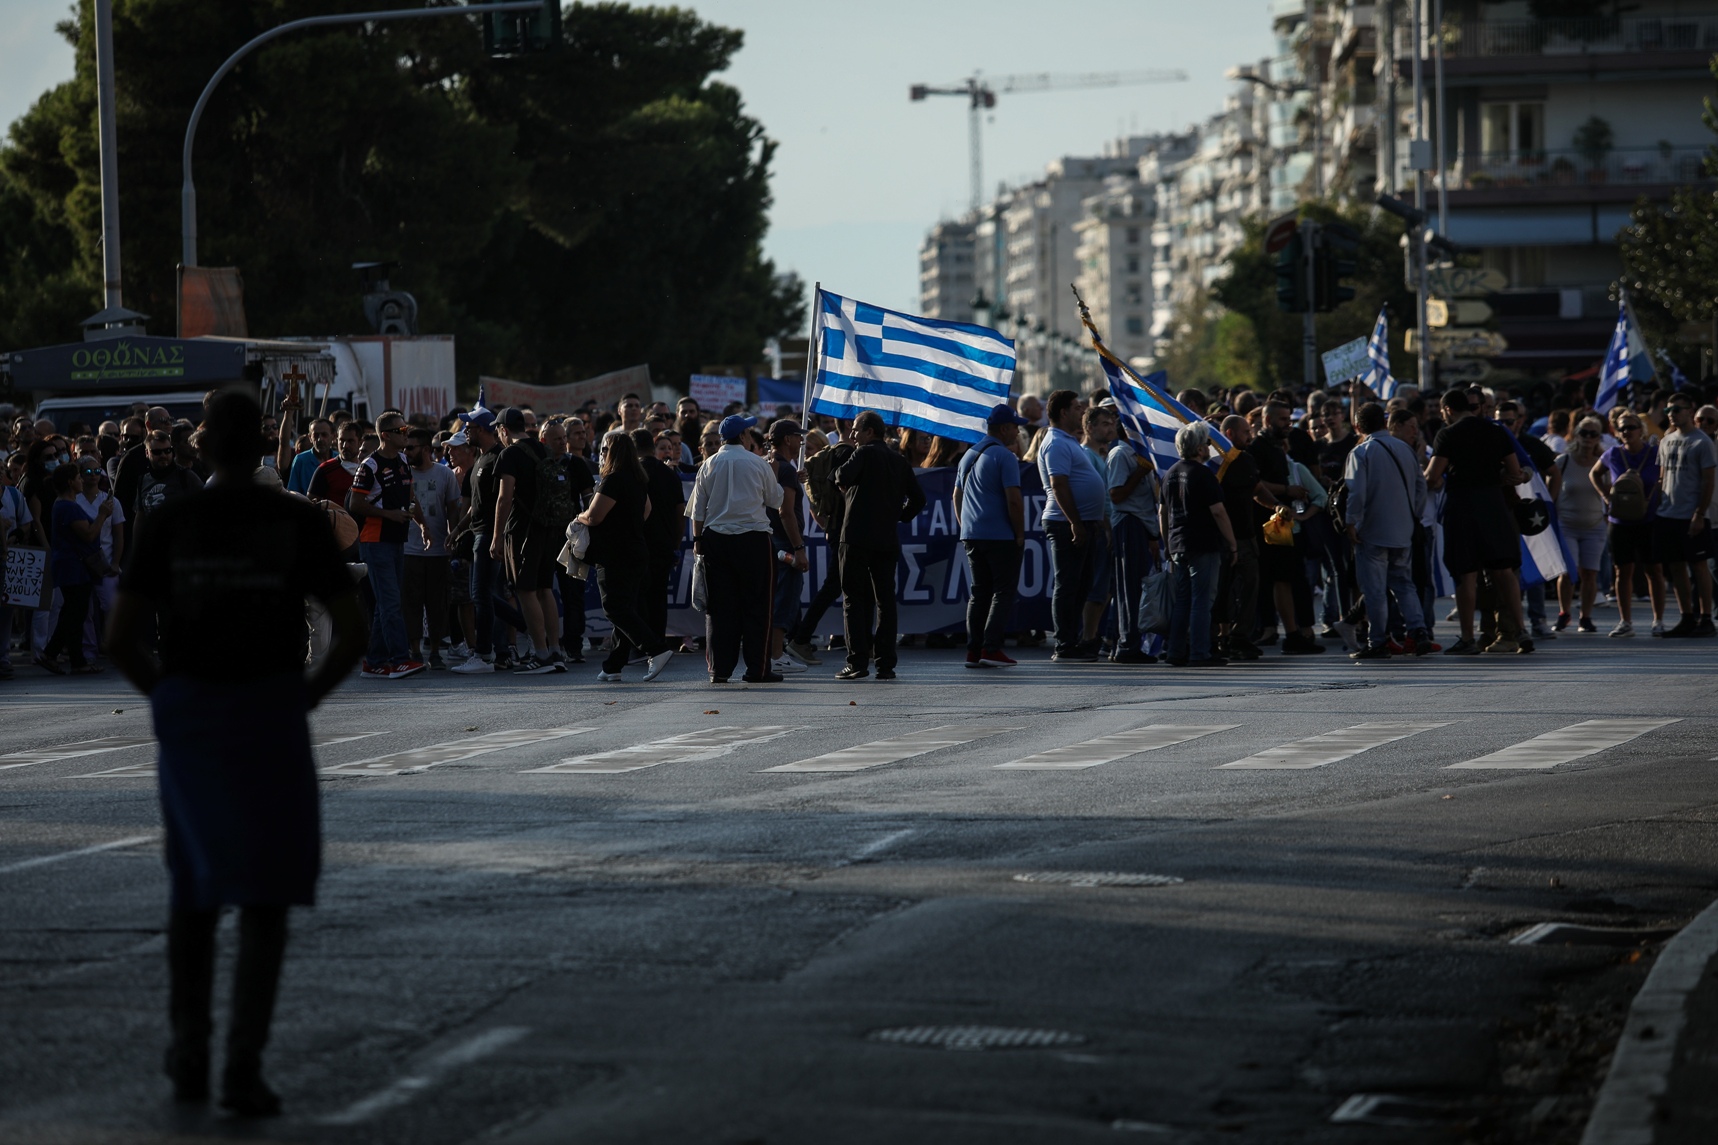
524 32
1291 276
1333 261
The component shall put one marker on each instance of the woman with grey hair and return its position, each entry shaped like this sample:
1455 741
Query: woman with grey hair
1198 539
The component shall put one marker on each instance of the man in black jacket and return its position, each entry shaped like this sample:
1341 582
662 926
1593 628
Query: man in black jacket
879 492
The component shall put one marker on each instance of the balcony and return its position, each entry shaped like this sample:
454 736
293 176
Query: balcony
1547 49
1629 168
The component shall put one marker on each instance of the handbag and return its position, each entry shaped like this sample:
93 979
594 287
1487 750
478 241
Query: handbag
1279 529
1154 602
700 588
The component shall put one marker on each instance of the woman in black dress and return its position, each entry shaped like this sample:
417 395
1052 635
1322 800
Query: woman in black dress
622 556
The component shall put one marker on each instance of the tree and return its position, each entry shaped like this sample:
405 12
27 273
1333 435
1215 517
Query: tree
561 214
1670 253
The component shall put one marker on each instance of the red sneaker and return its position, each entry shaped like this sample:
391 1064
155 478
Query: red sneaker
997 658
973 661
1402 647
406 668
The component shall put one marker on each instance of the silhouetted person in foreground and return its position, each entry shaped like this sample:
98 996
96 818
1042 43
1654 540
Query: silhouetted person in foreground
229 568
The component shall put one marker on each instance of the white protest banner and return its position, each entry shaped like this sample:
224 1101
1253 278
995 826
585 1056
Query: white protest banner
26 569
713 391
1346 361
605 390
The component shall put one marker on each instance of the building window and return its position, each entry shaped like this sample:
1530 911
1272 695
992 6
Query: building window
1133 234
1135 324
1133 264
1512 130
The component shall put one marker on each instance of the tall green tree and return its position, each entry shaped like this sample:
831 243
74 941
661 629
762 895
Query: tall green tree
561 214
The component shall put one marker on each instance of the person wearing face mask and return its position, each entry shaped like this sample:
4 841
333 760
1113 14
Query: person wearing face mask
111 539
164 480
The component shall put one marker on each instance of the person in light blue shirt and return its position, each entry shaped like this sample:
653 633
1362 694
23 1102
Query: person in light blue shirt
1132 481
993 529
304 465
1100 427
1073 515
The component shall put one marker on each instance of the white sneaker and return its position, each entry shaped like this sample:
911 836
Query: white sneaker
1658 628
460 651
1623 628
609 677
786 666
658 663
473 666
1346 631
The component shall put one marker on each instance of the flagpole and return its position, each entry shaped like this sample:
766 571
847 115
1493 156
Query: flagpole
813 359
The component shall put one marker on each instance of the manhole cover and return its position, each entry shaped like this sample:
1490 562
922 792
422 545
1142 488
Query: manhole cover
974 1037
1097 879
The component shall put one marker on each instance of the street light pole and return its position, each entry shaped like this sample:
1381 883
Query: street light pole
188 192
1416 152
109 142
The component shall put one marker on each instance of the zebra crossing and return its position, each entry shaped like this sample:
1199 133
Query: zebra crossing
996 748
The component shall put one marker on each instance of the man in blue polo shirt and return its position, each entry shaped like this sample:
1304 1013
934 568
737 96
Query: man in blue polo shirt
993 529
1073 515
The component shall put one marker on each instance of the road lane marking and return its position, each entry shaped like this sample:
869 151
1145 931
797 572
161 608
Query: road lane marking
72 751
1331 747
867 755
423 758
1589 737
688 747
1108 749
44 860
406 1088
146 769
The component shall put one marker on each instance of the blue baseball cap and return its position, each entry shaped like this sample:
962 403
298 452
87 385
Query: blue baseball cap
736 424
481 417
1004 414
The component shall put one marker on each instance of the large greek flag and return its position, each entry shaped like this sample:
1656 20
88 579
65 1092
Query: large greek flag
1152 416
1614 381
1378 351
919 373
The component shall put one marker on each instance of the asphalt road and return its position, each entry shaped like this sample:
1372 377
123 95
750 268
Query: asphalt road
805 912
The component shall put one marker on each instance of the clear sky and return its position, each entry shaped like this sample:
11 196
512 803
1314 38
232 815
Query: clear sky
861 172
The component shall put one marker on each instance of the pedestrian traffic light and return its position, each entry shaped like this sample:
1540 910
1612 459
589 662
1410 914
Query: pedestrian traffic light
1335 260
522 32
1291 276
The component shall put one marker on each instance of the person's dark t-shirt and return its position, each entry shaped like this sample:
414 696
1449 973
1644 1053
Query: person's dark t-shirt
1239 481
1189 491
1475 449
1333 456
126 474
581 479
485 487
383 483
519 461
1273 462
790 480
1303 448
235 559
330 481
1542 455
667 524
156 489
619 537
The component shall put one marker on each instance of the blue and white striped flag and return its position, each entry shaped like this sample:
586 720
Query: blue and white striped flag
1544 556
1614 379
1677 378
1152 416
918 373
1379 379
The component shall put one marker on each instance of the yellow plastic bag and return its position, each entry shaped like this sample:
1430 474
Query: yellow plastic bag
1279 530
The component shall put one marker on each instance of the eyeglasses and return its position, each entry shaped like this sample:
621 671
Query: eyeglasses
1631 429
161 453
1588 433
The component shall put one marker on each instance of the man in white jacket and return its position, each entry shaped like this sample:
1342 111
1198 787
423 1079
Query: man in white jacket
1386 493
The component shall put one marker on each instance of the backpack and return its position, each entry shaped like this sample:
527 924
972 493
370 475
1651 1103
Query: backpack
1628 495
820 487
554 503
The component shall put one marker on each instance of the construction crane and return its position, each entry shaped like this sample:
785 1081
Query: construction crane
981 96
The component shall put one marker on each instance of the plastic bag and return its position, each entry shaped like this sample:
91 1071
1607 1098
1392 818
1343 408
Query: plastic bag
699 599
1154 602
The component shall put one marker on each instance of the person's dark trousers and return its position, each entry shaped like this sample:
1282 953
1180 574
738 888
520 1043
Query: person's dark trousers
385 562
1132 562
68 634
572 612
191 977
739 587
1071 583
1192 588
624 588
827 594
995 569
493 610
868 592
423 592
655 600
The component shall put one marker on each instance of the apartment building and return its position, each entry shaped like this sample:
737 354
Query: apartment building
947 279
1114 253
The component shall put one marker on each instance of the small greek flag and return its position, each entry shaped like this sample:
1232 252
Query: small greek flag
1378 350
1544 556
918 373
1678 379
1614 380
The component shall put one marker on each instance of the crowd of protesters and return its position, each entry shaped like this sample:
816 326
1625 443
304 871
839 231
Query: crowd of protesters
472 538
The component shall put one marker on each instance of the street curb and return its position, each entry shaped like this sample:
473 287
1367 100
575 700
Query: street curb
1640 1068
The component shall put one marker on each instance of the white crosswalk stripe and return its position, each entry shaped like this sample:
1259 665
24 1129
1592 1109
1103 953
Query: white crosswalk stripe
146 769
689 747
72 751
423 758
1589 737
1108 749
1331 747
868 755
